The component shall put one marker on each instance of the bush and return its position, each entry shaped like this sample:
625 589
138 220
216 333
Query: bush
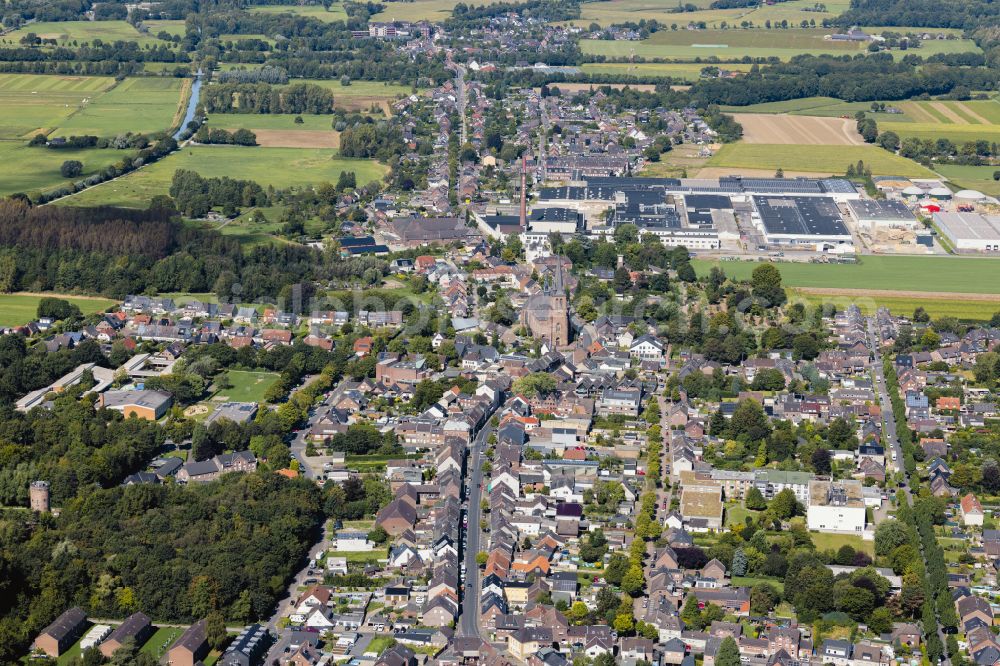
71 168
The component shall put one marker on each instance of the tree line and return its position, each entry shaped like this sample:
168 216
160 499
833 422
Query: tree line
265 98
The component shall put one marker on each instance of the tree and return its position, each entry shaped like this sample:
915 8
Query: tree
763 598
728 653
378 535
633 581
805 346
537 383
624 624
889 140
482 558
889 535
739 562
215 630
617 567
71 168
691 613
880 620
820 461
755 500
765 282
785 505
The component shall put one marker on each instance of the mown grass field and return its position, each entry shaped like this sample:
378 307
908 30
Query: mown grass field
335 13
280 167
85 31
971 177
825 541
173 27
30 103
421 10
143 105
36 169
754 42
247 386
18 309
275 121
689 72
817 159
160 642
931 274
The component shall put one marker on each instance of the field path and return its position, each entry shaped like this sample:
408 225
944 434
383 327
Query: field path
967 110
948 113
895 293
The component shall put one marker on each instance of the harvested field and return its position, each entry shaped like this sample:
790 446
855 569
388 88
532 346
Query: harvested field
720 172
584 87
895 293
798 130
271 138
949 113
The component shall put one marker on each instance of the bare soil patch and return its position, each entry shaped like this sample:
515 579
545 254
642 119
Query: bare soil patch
270 138
798 130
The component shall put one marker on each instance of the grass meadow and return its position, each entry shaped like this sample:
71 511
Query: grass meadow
143 105
689 72
27 169
18 309
67 32
32 103
970 177
280 167
815 159
247 386
950 274
335 13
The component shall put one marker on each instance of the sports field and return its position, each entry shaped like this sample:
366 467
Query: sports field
144 105
30 103
280 167
798 130
815 159
684 71
335 13
755 43
921 274
18 309
27 169
247 386
86 31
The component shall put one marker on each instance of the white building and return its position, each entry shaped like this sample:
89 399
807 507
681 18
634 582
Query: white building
836 506
873 215
970 232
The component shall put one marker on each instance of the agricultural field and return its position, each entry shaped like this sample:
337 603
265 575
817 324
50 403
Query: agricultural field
815 159
281 130
361 95
957 121
143 105
805 106
27 169
247 386
66 32
18 309
958 275
32 103
798 130
155 27
421 10
335 13
688 72
968 307
970 177
732 44
280 167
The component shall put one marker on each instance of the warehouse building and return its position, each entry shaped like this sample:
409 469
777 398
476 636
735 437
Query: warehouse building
798 220
874 215
970 232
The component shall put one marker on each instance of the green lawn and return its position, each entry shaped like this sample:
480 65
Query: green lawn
380 643
161 641
736 513
17 309
37 102
143 105
280 167
37 169
335 13
749 581
173 27
816 159
247 386
825 541
962 275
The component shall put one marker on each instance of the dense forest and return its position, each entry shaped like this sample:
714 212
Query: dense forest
228 546
967 14
265 98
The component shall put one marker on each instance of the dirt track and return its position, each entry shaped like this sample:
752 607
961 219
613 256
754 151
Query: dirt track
798 130
887 293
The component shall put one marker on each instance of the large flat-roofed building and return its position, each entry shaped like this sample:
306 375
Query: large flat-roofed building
799 220
836 506
875 214
149 405
421 230
970 232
